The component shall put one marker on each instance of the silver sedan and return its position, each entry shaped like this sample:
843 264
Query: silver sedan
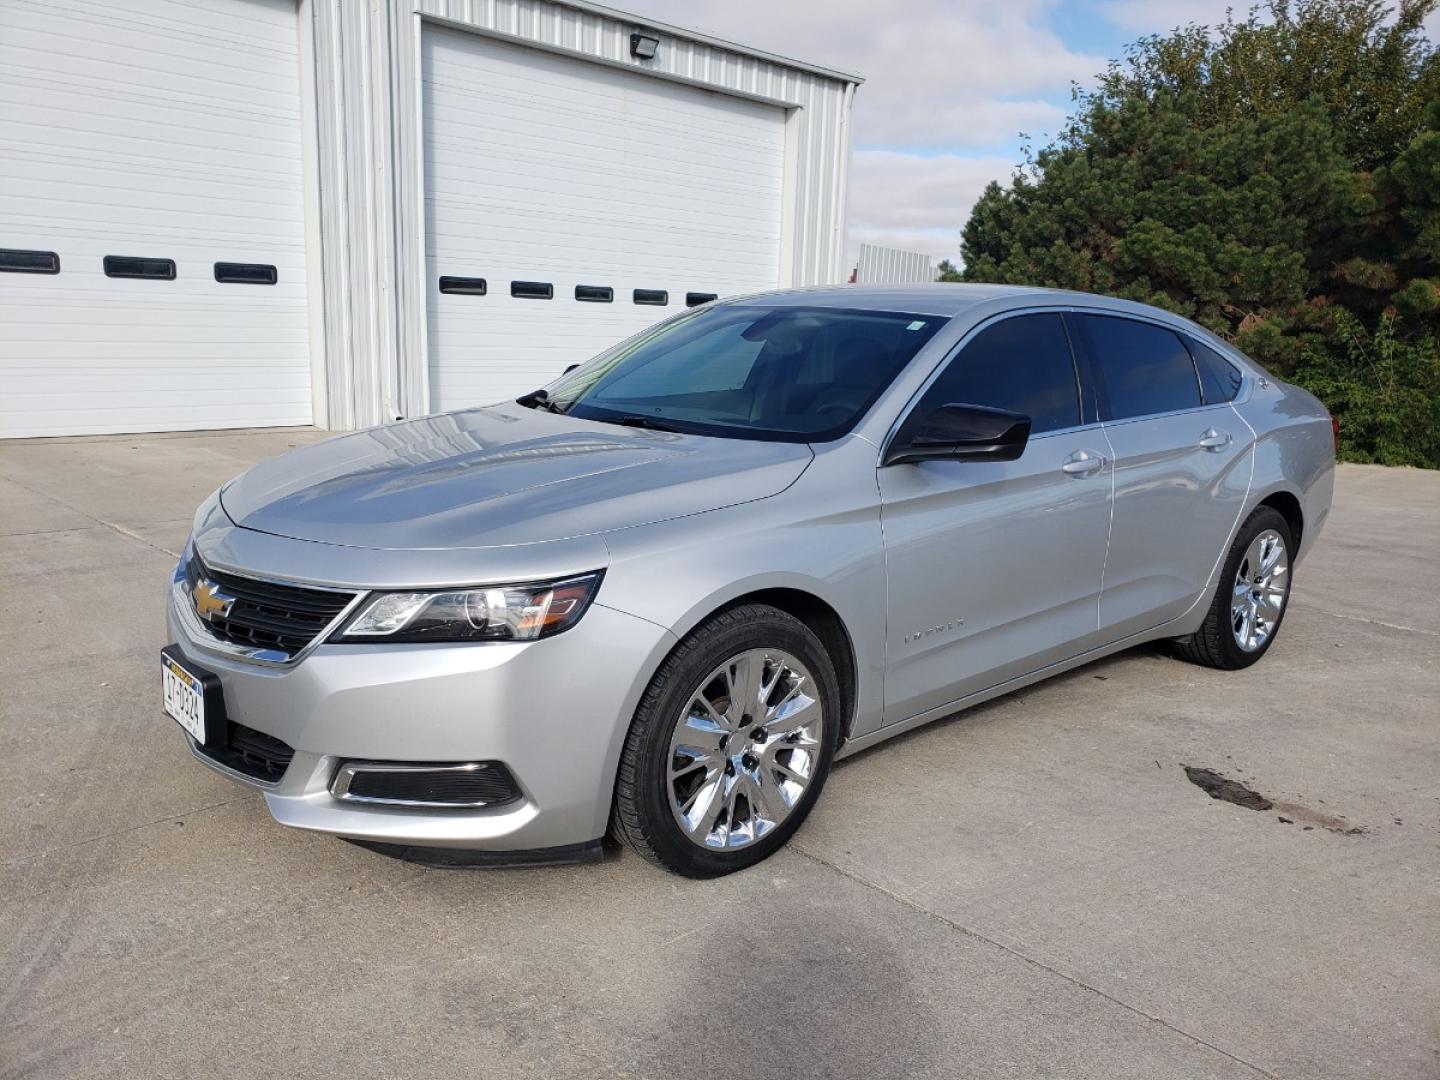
656 599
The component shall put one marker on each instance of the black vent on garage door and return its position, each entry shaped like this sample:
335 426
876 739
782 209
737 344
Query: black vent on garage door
246 273
464 286
13 261
130 266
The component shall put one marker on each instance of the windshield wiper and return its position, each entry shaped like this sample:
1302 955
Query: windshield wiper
633 420
539 399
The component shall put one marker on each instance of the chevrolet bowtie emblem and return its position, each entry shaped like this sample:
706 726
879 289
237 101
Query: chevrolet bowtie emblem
210 602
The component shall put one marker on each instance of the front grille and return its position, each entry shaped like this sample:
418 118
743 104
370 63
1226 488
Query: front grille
483 783
253 753
267 615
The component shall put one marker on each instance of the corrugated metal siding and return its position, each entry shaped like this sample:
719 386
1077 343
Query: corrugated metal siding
891 266
372 228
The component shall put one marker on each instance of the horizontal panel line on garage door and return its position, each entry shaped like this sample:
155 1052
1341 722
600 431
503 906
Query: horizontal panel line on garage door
98 77
541 178
177 208
615 215
615 246
615 267
194 21
666 124
101 101
143 42
181 19
180 307
293 406
210 166
579 100
247 144
515 142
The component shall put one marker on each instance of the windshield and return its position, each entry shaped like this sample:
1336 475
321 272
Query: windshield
792 374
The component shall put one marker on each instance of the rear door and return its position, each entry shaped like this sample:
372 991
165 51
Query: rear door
994 568
1182 470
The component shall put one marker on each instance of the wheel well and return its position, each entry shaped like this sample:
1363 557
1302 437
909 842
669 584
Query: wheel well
827 625
1289 507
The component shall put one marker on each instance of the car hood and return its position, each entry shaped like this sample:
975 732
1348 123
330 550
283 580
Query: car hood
498 476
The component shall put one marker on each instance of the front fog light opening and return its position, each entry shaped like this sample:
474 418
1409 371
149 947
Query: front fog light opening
470 785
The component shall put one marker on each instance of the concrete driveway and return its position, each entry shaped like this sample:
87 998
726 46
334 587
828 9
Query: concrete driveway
1033 889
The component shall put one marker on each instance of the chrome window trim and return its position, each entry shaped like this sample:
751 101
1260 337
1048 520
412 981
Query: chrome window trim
201 637
340 786
1165 415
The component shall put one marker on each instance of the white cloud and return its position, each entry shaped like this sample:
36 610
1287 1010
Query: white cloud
949 86
940 74
917 203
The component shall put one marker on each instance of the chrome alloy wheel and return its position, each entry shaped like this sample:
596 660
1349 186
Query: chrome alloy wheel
745 749
1260 587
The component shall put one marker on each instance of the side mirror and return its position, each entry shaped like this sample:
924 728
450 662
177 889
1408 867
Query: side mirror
960 433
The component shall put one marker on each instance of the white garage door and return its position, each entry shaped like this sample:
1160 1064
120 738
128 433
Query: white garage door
164 137
544 174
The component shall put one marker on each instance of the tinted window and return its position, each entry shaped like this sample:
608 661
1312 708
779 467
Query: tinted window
787 373
1021 364
1219 378
1143 368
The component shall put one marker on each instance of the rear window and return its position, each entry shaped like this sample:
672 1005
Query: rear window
1219 378
1143 369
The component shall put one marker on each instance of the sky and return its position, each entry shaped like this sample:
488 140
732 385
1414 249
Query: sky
949 87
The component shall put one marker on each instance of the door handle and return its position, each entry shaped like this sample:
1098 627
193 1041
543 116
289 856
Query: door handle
1083 463
1210 439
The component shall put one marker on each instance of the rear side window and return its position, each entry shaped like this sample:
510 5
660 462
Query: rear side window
1021 364
1219 378
1143 369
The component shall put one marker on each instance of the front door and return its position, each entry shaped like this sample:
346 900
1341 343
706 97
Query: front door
995 567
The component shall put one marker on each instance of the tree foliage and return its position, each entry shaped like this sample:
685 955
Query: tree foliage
1275 178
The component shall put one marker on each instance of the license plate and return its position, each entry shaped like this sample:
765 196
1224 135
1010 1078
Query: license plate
184 697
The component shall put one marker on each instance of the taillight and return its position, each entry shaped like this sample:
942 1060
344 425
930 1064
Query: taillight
1335 431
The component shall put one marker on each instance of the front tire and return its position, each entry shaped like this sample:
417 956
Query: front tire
1250 601
730 745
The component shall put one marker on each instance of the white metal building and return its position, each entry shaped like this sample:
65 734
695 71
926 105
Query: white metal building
892 266
229 213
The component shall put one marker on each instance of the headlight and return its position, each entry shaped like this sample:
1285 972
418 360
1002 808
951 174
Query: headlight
489 613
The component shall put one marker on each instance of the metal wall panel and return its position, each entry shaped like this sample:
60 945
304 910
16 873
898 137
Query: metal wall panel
369 159
891 266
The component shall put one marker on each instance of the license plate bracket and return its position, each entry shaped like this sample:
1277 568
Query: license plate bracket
214 725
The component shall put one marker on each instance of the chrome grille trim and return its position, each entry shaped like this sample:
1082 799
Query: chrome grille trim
203 635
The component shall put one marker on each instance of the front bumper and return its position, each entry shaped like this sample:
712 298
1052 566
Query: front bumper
555 712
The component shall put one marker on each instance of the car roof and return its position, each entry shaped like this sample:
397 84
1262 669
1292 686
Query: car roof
942 298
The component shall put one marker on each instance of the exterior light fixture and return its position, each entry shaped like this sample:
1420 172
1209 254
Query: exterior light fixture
643 46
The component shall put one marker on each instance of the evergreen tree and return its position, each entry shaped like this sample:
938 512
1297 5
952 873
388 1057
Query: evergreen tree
1276 179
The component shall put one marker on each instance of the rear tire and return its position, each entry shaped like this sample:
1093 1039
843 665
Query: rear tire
1251 598
730 745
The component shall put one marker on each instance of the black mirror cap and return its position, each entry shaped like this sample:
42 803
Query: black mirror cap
960 432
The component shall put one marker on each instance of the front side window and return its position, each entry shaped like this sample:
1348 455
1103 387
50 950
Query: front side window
1022 364
1143 369
793 374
